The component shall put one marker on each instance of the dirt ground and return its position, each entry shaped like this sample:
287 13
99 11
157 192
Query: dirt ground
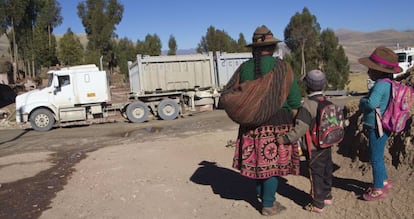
165 169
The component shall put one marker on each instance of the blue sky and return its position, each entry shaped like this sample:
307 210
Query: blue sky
188 20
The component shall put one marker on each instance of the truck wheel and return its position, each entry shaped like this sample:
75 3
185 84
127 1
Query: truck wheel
168 109
137 112
42 120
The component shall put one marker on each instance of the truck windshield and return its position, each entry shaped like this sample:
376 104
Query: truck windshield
402 57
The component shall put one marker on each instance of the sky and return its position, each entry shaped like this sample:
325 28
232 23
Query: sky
188 20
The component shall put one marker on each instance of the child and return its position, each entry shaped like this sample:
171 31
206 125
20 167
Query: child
382 63
320 162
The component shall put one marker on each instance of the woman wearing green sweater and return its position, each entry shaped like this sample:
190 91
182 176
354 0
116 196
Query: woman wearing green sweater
257 155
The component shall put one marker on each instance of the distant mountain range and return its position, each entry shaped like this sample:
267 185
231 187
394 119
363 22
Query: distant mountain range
356 44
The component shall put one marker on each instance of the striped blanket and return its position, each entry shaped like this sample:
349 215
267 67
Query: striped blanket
252 103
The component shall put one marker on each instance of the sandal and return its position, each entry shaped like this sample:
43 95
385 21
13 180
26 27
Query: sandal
387 185
275 209
374 194
328 202
311 208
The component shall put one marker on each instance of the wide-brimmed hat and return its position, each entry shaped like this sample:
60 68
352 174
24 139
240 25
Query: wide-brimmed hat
262 36
382 59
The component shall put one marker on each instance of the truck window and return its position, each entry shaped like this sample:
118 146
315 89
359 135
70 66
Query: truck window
64 80
401 57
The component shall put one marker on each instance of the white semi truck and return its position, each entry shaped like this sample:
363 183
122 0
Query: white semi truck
72 94
165 86
405 60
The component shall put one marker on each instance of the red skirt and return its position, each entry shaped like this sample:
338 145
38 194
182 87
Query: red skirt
257 155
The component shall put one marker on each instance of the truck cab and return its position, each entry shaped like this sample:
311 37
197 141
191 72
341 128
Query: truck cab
405 60
72 94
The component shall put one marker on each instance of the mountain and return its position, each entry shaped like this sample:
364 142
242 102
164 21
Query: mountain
356 44
359 44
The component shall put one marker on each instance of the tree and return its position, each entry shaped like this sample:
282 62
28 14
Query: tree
302 38
152 45
44 43
241 42
15 12
31 24
216 40
125 51
99 18
172 46
70 50
3 17
311 49
140 47
50 17
333 60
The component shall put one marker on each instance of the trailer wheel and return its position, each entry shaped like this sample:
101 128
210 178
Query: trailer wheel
42 120
137 112
168 109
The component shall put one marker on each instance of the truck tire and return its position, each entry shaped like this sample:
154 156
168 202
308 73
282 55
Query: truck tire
137 112
168 109
42 120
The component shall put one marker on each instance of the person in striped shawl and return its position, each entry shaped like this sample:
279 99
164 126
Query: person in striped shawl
263 97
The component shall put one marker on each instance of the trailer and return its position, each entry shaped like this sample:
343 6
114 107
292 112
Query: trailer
167 86
163 86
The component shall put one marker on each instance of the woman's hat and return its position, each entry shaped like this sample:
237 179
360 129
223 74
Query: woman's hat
382 59
263 37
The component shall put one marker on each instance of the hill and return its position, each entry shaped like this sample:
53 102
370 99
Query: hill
360 44
356 44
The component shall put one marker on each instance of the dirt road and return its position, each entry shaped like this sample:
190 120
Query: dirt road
163 169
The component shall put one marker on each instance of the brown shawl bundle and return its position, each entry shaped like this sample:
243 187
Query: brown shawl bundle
252 103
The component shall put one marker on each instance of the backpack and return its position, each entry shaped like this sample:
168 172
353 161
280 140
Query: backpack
327 129
398 110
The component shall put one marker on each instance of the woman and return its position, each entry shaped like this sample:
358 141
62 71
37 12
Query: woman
382 63
275 102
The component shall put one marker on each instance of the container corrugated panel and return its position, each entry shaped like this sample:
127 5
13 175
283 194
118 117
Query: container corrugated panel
172 73
227 64
134 82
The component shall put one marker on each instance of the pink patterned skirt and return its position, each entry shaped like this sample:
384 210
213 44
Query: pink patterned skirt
257 155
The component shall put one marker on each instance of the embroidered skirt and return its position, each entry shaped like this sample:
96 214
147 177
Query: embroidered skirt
258 156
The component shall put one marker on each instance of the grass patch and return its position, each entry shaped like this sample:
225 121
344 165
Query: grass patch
358 82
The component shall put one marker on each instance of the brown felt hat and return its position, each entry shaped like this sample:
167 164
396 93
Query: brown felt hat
262 36
382 59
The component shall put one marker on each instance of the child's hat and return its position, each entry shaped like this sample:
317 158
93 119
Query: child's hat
382 59
315 80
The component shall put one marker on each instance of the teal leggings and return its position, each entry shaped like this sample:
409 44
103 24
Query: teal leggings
266 190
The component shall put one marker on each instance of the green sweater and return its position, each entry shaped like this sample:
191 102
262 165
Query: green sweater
267 63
